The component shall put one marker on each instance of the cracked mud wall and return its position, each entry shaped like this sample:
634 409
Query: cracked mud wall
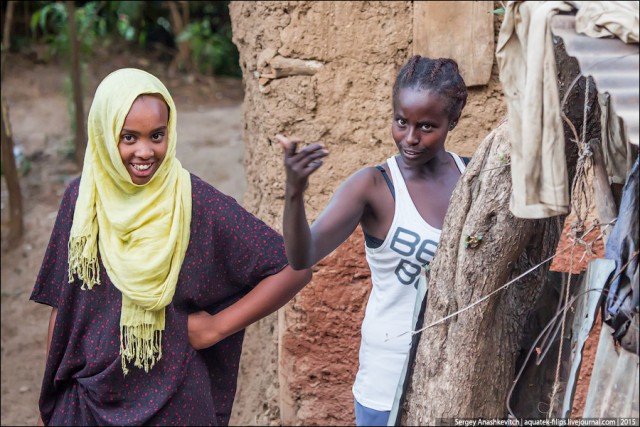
298 365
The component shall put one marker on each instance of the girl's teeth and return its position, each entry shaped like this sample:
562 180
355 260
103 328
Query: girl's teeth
142 167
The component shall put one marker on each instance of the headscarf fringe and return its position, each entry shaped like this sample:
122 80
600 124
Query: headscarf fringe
85 267
142 344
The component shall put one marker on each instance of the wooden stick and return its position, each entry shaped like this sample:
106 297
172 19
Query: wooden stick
279 66
10 172
605 203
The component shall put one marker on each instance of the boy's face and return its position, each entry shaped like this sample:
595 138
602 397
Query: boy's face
143 139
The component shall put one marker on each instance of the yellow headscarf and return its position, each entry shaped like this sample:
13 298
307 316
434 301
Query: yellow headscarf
142 230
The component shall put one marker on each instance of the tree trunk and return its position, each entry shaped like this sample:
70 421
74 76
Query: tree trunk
6 34
10 173
464 366
179 21
9 169
76 81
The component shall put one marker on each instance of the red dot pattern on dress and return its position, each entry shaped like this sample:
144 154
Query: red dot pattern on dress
230 251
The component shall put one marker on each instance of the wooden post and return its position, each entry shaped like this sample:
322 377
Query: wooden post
9 169
10 172
471 44
6 34
605 204
179 21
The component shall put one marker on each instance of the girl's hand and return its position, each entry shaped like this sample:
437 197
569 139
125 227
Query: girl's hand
202 332
302 164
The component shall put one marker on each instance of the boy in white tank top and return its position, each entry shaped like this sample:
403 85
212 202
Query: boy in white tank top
400 206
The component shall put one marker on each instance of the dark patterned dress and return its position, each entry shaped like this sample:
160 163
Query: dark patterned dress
229 252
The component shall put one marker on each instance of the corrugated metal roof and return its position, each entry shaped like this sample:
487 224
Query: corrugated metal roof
613 390
613 65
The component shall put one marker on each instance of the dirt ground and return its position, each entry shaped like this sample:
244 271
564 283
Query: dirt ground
210 145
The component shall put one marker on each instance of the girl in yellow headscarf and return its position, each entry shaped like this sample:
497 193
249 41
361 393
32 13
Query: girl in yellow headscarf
152 274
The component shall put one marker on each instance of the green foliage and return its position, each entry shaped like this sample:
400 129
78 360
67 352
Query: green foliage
51 19
209 36
504 158
472 241
214 53
498 11
128 13
139 24
50 25
91 26
69 148
25 167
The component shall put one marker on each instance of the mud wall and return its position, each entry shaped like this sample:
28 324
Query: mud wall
298 365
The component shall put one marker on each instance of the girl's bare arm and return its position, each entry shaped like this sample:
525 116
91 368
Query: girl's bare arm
268 296
306 245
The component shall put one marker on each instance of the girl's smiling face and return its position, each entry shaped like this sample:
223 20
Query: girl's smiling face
143 139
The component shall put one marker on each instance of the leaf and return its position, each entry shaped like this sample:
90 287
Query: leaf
130 33
184 35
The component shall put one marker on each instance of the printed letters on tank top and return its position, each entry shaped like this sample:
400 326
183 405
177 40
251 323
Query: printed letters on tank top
407 243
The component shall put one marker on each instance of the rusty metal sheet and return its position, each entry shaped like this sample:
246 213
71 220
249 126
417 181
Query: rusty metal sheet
613 65
586 313
613 390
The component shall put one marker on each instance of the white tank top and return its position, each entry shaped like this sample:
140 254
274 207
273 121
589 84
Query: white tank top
397 267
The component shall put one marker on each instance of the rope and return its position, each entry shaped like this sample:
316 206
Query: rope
552 322
556 381
506 285
581 201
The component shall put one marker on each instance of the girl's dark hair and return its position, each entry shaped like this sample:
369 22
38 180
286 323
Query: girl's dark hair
438 75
